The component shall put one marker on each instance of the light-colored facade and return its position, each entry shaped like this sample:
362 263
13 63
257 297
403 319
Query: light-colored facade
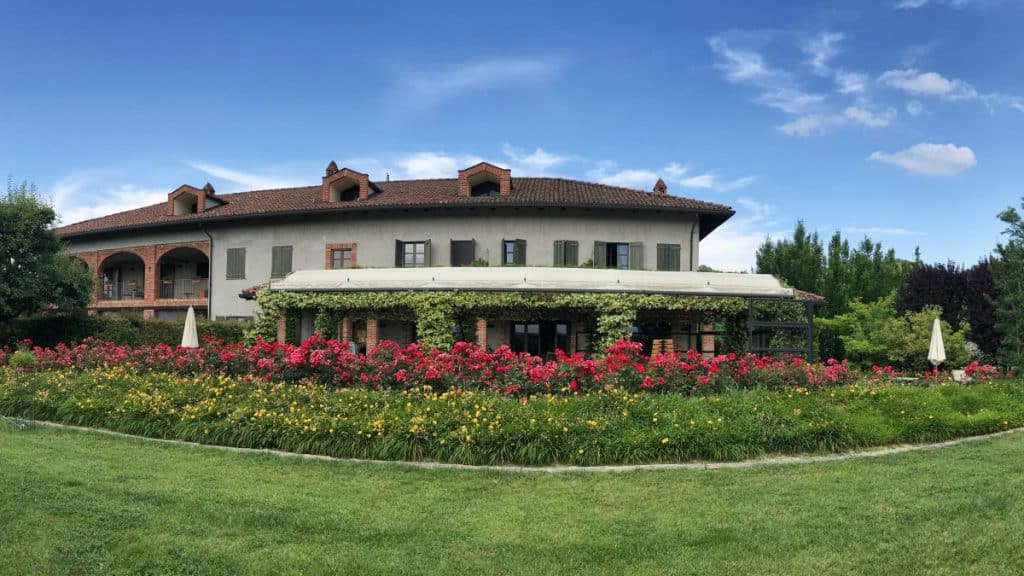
204 250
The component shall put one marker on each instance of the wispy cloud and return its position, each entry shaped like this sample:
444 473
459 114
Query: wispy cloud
914 108
863 115
733 246
820 50
245 180
85 195
882 231
430 87
673 173
536 162
851 82
912 81
805 126
930 159
915 4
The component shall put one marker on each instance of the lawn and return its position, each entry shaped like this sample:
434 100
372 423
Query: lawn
83 503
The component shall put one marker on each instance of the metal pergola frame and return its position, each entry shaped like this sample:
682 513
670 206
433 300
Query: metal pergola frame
807 327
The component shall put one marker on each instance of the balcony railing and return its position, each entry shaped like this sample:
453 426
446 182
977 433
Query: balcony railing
123 291
184 288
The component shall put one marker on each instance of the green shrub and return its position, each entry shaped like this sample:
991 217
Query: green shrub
21 360
52 329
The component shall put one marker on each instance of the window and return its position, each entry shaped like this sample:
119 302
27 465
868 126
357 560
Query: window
486 188
621 255
463 252
341 258
567 253
412 254
540 338
236 264
280 261
669 257
513 252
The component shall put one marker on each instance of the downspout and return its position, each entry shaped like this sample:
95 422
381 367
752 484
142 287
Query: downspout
692 228
209 283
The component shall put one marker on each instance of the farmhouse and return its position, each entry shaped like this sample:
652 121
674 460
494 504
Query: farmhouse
562 252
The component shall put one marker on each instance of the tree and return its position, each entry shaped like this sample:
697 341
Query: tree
35 273
1008 276
797 261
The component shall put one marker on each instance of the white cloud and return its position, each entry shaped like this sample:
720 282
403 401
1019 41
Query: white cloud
427 88
804 126
820 50
928 158
82 196
914 4
674 174
882 231
851 82
862 115
928 84
536 162
246 180
790 100
429 165
740 65
733 246
914 108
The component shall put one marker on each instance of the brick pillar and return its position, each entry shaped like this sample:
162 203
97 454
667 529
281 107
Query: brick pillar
707 341
481 332
372 336
346 330
282 327
151 281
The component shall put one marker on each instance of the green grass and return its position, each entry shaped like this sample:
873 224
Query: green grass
80 503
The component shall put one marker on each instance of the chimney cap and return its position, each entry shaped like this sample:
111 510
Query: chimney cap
660 188
332 168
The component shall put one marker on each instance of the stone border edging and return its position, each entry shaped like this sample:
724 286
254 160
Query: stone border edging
752 463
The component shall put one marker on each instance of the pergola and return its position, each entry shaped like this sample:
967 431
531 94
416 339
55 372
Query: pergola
559 289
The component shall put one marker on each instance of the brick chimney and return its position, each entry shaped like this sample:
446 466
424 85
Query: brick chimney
660 188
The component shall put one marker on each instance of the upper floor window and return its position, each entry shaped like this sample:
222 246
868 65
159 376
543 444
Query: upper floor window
621 255
280 261
235 264
669 257
463 252
412 254
567 253
513 252
186 204
341 258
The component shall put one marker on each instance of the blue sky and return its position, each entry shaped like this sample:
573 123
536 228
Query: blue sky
899 119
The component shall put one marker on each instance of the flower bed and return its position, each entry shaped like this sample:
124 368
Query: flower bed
465 367
605 425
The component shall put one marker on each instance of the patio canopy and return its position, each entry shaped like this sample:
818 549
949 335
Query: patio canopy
530 279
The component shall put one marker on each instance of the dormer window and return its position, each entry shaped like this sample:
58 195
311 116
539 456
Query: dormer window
483 180
344 185
345 190
188 200
186 204
487 188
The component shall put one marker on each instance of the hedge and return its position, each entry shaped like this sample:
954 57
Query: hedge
52 329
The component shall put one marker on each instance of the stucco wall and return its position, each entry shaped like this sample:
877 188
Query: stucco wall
374 235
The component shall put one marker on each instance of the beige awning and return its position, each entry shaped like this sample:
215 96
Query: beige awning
526 279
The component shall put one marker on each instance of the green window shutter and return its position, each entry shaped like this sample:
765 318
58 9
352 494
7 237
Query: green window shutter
636 255
662 256
675 257
572 253
669 257
399 256
235 264
280 261
559 253
426 252
600 254
520 253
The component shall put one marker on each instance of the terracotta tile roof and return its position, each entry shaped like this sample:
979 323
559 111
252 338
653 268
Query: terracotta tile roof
439 193
805 296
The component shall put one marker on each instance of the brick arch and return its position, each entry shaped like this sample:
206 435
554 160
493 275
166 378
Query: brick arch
105 255
163 249
485 171
357 178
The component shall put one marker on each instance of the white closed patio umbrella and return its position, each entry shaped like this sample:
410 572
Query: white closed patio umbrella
937 350
190 337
